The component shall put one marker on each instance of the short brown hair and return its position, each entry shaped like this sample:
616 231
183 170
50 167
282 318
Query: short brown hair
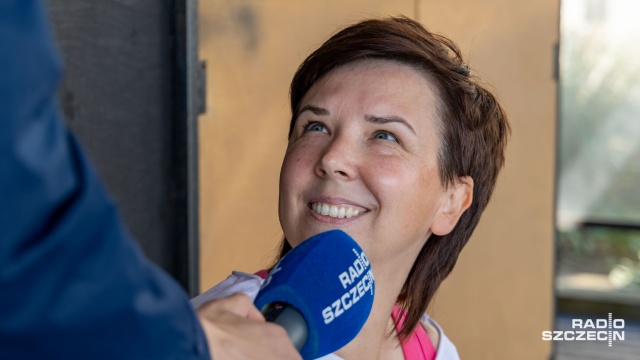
473 126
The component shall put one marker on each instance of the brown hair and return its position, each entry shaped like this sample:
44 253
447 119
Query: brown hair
474 131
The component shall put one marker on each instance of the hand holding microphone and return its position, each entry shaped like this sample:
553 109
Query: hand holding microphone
321 292
317 298
235 329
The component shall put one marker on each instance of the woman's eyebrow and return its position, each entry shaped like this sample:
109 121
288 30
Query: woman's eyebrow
314 109
389 119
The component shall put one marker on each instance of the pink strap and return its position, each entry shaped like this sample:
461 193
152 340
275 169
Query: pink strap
418 345
263 274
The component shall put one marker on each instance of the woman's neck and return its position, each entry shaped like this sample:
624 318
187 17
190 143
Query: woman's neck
376 340
378 337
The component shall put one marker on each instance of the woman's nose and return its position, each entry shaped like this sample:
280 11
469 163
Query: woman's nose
337 160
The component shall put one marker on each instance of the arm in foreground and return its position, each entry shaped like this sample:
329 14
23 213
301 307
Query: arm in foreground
73 282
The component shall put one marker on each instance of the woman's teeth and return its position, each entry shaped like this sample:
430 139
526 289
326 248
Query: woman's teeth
334 211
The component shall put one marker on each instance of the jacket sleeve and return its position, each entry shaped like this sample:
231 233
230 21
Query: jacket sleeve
73 284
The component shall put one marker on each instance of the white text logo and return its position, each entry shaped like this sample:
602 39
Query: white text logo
608 330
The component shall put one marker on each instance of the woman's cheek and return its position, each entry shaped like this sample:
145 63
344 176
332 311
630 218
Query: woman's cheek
385 172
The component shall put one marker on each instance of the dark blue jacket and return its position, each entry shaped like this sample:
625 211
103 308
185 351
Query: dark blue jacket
73 284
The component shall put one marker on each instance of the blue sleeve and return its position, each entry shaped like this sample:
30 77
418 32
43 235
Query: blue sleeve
73 284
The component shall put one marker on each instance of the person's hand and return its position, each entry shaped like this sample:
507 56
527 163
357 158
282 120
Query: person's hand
235 329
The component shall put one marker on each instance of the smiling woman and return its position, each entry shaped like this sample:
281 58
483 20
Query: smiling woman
393 141
386 171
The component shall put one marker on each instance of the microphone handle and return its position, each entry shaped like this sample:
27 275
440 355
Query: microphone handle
290 319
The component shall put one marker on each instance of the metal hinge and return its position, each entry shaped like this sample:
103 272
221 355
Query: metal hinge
201 88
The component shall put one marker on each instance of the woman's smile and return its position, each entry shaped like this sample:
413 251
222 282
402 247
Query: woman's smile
363 157
336 207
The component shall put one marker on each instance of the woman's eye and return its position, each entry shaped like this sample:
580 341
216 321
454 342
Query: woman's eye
384 135
315 126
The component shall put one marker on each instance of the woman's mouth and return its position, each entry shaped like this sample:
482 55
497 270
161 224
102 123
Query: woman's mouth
336 211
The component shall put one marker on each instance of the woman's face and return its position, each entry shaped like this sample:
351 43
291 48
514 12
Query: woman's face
363 158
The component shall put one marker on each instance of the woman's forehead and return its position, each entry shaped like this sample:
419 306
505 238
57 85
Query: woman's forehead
377 85
378 67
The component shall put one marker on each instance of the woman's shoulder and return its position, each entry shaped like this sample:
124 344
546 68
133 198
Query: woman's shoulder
445 350
237 282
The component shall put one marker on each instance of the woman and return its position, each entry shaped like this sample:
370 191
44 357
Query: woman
393 141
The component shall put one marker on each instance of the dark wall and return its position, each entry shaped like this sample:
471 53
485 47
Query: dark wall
125 94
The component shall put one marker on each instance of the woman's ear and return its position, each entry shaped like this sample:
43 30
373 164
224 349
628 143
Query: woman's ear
458 199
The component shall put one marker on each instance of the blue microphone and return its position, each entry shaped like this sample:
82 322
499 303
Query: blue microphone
321 292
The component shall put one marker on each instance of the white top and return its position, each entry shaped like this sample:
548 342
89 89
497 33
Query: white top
249 284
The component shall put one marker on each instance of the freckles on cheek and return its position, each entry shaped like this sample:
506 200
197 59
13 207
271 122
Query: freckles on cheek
292 168
298 164
389 176
291 160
